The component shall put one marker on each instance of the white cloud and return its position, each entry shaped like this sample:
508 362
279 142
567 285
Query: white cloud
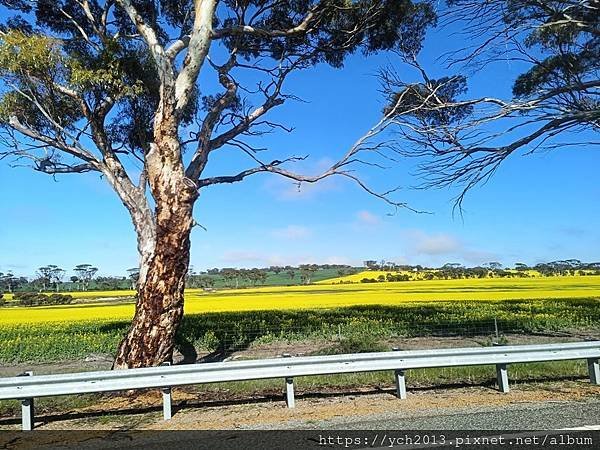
435 244
367 218
476 257
292 232
443 245
257 259
243 258
341 260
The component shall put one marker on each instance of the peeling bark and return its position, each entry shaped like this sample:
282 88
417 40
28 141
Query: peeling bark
164 255
159 309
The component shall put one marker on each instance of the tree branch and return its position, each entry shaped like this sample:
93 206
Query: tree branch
198 46
364 144
301 28
455 138
163 63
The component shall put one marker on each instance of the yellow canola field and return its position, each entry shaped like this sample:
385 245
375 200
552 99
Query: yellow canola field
327 296
357 277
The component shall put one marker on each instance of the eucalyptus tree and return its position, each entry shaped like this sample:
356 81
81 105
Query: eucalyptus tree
98 85
133 275
44 275
307 271
6 281
291 273
85 273
56 276
50 274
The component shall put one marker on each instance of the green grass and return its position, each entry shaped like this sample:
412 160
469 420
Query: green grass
47 342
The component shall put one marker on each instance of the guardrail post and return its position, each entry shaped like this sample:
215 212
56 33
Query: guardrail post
27 409
167 414
400 380
594 370
502 375
289 393
290 400
400 384
166 393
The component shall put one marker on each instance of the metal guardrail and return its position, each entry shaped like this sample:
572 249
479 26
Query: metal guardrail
27 387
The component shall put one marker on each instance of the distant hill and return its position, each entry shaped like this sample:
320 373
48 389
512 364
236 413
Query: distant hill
287 277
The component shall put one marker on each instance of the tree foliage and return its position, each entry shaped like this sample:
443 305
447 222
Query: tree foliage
65 61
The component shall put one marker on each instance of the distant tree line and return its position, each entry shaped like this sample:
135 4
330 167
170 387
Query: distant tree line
492 269
54 278
85 278
236 277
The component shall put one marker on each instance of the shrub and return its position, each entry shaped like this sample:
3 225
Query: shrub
361 344
36 299
397 277
368 280
59 299
27 298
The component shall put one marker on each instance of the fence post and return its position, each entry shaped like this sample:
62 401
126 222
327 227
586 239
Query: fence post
594 370
27 416
290 400
167 400
502 376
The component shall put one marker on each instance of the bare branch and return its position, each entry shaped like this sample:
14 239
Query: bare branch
200 158
74 150
454 139
365 144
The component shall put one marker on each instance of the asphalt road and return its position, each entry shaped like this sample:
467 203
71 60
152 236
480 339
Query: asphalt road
529 416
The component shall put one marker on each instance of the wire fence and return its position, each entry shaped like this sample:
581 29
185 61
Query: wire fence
240 341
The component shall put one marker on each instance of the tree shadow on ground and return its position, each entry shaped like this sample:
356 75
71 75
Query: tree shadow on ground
222 334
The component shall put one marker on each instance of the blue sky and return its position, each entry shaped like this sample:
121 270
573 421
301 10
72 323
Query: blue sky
537 208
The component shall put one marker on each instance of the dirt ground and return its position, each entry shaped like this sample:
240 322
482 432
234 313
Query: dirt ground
272 415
